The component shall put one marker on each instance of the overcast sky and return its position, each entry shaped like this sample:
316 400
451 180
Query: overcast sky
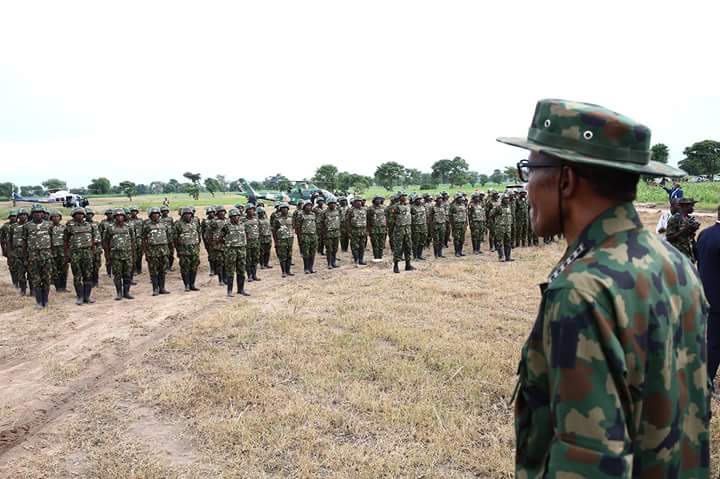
147 90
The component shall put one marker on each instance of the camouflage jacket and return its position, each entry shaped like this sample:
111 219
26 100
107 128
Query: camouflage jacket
307 224
419 217
186 235
377 219
283 227
502 216
36 237
680 233
457 214
252 230
331 223
265 230
437 215
522 209
79 235
156 239
612 379
234 235
476 212
356 218
169 221
137 226
5 235
119 241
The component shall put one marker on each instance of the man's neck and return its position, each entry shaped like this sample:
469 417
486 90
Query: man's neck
583 214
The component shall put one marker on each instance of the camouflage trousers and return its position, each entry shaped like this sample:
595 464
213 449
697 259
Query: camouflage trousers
235 260
97 261
438 235
331 243
477 230
448 230
265 248
503 236
60 268
521 232
81 263
419 236
344 239
284 249
11 266
358 241
20 268
377 240
402 243
458 232
308 245
122 267
216 257
532 237
157 264
320 242
40 269
252 252
491 233
189 262
138 257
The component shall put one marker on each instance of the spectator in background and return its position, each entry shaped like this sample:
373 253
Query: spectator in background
708 247
663 221
674 193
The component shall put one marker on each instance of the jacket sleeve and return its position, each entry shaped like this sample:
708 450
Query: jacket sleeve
586 361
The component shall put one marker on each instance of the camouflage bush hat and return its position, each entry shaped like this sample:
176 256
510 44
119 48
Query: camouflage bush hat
233 212
592 135
76 211
119 212
153 210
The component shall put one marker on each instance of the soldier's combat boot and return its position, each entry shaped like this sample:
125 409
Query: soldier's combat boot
499 250
329 260
524 243
230 285
311 264
186 281
46 296
78 295
193 275
254 271
170 263
87 290
38 298
267 260
408 265
248 272
420 253
361 258
288 265
282 269
155 285
118 289
461 246
126 290
161 283
241 285
508 253
396 268
108 268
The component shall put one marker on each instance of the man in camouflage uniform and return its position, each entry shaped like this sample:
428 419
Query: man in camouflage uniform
15 249
217 247
356 220
319 210
186 236
448 226
492 201
522 211
207 238
419 227
438 225
612 379
234 238
307 232
476 217
428 201
119 243
458 217
682 227
169 222
80 252
377 227
97 239
283 236
5 243
109 220
502 217
252 235
155 240
57 246
265 238
137 225
37 252
390 218
296 220
331 232
402 233
344 231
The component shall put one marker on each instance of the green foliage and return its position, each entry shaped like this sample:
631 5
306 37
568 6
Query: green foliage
278 182
141 189
702 158
193 188
483 179
212 185
497 177
6 189
31 190
453 171
172 186
413 176
511 174
54 184
352 181
100 186
127 188
326 177
660 152
389 174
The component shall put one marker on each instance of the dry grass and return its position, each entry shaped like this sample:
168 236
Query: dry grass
357 373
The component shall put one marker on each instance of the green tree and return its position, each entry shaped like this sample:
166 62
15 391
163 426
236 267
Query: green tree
453 171
127 188
483 179
702 158
193 189
441 170
349 181
497 177
141 189
510 172
157 187
54 184
172 186
99 186
222 183
413 176
389 174
6 189
31 190
473 178
660 152
277 182
212 185
327 177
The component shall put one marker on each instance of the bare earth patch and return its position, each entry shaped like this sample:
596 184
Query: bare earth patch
350 373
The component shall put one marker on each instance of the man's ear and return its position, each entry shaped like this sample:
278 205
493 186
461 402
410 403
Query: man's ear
568 181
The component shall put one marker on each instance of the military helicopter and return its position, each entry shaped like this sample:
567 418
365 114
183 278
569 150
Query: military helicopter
63 197
300 190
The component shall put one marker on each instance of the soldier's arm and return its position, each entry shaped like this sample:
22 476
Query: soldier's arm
23 251
67 243
588 404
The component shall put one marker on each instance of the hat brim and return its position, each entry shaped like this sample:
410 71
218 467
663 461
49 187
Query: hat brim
653 168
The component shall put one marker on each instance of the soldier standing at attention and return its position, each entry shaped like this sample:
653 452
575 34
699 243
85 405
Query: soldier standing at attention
57 248
476 217
97 239
109 220
137 225
448 225
377 227
296 220
390 218
438 224
344 231
206 237
252 234
307 231
233 236
458 217
265 238
80 252
186 235
6 246
492 201
169 222
502 218
331 226
155 240
681 229
522 209
217 247
402 233
319 210
419 227
612 379
428 201
119 242
16 249
38 254
357 224
283 235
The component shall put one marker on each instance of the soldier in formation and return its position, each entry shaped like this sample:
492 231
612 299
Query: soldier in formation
438 225
377 227
119 244
5 243
357 224
502 216
234 238
155 241
419 227
331 225
169 222
207 238
252 236
57 246
37 254
283 228
457 214
265 228
402 233
80 253
186 236
216 246
319 209
137 225
476 218
307 232
344 231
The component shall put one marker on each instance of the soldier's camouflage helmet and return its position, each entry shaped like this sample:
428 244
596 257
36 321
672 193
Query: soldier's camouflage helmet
119 212
76 211
283 205
400 194
164 208
12 212
332 200
239 206
233 212
55 213
109 211
133 209
186 211
319 199
250 206
89 211
153 210
210 209
37 208
592 135
459 196
378 197
23 211
307 203
341 199
219 208
260 210
686 201
356 198
127 211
